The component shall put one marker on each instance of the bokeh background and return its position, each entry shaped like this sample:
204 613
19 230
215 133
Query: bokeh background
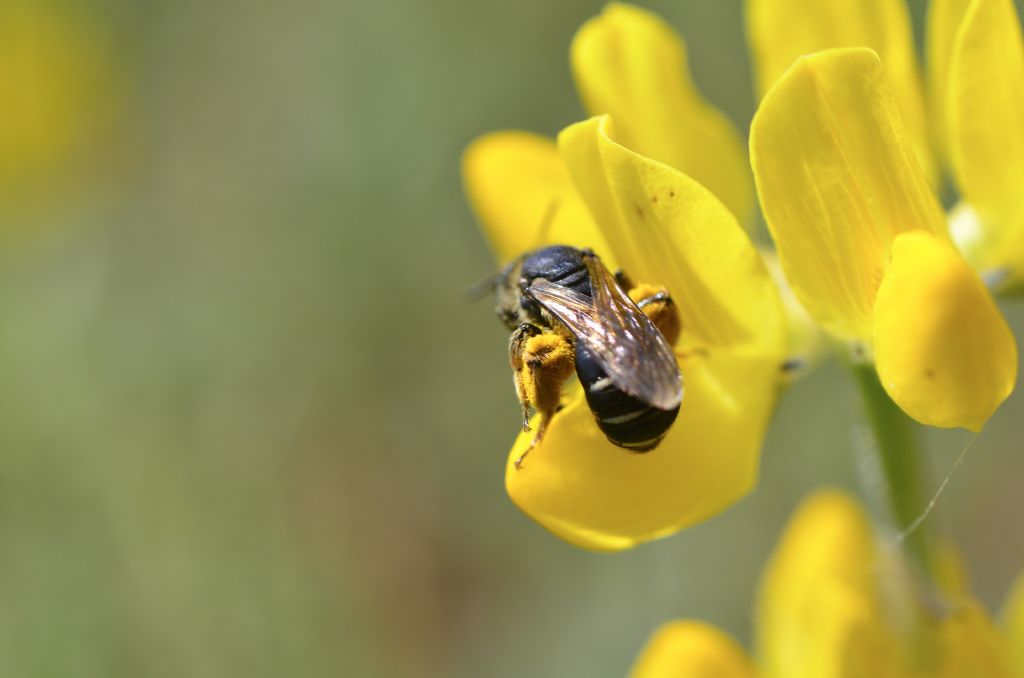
251 426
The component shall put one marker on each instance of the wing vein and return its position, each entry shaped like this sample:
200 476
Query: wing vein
623 340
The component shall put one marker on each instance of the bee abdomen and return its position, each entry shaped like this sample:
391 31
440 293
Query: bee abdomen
627 421
640 430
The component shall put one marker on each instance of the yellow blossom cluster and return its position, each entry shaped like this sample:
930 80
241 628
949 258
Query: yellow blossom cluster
844 163
835 602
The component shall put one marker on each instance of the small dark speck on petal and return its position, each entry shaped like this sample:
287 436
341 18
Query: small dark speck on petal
654 198
671 194
929 373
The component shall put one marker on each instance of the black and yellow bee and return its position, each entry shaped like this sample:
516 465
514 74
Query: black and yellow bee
568 312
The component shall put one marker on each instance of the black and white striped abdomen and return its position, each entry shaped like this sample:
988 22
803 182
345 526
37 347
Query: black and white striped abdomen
626 420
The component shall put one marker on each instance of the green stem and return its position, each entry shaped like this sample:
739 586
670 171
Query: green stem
895 439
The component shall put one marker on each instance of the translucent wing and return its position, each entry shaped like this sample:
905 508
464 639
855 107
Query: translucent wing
624 341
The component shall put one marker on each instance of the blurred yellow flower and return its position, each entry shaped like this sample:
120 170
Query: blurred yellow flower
863 242
692 649
985 122
55 83
832 603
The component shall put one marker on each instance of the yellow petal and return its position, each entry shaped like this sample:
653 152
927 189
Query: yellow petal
629 63
818 611
523 195
691 649
968 645
602 497
828 538
986 126
943 351
1013 622
666 228
780 31
944 17
837 179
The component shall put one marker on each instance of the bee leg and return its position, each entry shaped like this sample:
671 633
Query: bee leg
516 349
545 419
657 304
661 296
547 360
625 282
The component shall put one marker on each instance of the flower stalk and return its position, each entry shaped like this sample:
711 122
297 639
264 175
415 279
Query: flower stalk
895 441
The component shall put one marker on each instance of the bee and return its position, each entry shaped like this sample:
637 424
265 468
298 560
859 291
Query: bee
568 313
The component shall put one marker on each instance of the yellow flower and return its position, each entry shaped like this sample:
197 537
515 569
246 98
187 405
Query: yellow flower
975 92
685 649
55 82
780 31
863 241
841 217
833 603
661 226
630 64
985 122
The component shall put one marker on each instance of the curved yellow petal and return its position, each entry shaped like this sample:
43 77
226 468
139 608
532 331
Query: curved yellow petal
1013 623
691 649
986 126
666 228
943 350
837 180
943 21
602 497
523 196
780 31
818 611
629 63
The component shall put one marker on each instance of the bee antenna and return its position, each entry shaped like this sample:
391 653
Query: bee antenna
483 288
487 285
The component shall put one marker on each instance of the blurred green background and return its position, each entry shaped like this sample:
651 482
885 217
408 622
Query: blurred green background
250 425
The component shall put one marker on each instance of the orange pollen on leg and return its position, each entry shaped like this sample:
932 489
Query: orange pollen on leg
663 313
548 360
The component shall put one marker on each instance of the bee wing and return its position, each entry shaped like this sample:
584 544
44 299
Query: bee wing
623 340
